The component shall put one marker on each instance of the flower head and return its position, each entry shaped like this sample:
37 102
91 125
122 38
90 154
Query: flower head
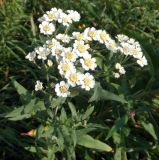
64 38
74 15
57 51
65 67
64 19
80 48
31 56
116 75
142 61
62 89
88 63
90 33
51 15
69 55
46 28
42 52
87 81
52 44
73 78
102 36
78 36
38 86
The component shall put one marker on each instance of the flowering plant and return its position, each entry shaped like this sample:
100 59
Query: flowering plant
78 69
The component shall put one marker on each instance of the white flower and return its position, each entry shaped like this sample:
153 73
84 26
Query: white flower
51 44
73 78
64 38
87 81
137 53
111 45
122 38
90 33
126 48
88 62
80 48
57 51
38 86
65 68
142 62
64 19
117 65
62 89
74 15
46 28
116 75
102 36
42 52
69 55
31 56
49 63
51 15
78 36
122 70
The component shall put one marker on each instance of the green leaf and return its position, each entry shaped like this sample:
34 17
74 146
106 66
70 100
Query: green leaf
150 129
88 113
89 142
17 114
73 109
63 116
101 94
118 125
57 101
117 155
24 94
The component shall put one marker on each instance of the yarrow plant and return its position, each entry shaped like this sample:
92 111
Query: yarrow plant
74 53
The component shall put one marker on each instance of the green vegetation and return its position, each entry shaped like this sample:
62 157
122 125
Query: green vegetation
117 120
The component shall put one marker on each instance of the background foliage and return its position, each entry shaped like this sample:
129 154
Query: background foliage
106 117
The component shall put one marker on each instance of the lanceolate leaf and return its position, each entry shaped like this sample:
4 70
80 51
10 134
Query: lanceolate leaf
118 125
89 142
101 94
150 129
24 94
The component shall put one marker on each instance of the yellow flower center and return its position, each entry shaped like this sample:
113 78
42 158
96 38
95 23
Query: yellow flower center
51 15
69 55
81 48
50 45
112 45
87 81
91 34
65 67
79 37
46 28
88 62
73 77
65 20
126 50
58 51
103 36
135 52
42 54
63 89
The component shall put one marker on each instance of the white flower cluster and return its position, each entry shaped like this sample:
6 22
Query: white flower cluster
128 46
120 70
48 20
75 62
